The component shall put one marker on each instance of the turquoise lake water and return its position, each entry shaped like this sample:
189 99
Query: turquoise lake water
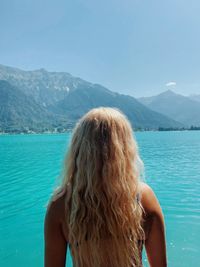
29 165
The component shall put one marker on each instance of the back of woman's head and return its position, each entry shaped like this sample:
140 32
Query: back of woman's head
103 169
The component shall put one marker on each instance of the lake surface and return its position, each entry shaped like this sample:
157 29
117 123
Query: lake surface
30 165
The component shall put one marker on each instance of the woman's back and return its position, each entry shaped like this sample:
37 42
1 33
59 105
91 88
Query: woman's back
97 211
56 231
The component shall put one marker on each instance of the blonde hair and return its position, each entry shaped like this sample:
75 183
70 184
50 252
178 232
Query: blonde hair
103 169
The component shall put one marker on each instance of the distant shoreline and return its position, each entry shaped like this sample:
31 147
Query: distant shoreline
160 129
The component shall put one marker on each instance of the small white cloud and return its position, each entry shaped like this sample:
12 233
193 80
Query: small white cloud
170 84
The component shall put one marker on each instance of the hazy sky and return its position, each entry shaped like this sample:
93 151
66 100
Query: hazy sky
137 47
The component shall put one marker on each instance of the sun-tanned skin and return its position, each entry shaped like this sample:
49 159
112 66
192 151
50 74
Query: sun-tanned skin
56 235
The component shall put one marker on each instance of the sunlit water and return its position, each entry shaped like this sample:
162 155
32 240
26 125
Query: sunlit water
29 165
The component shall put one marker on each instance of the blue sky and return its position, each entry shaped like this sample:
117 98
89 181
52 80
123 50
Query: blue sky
136 47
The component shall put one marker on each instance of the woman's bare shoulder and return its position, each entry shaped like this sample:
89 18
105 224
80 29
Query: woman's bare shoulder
149 200
55 255
56 209
56 213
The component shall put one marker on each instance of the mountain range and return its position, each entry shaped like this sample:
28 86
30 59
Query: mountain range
17 110
181 108
195 97
40 101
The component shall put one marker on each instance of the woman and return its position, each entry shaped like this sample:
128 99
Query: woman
102 209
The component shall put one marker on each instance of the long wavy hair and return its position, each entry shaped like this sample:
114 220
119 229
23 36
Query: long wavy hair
103 169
